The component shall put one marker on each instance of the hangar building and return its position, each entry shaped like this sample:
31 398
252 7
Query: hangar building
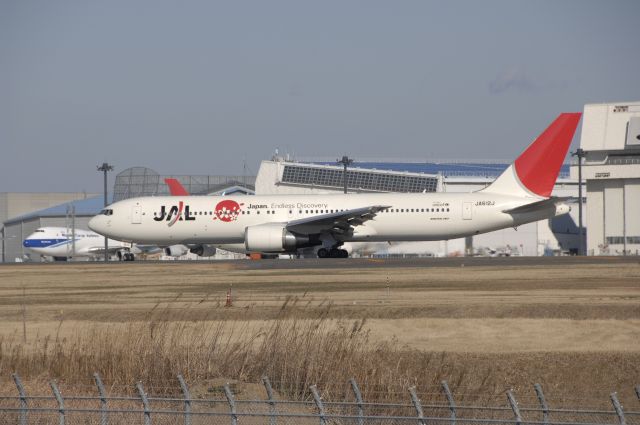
14 204
611 168
141 181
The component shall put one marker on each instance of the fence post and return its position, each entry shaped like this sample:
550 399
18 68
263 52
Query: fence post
23 399
543 403
514 407
270 400
187 400
452 404
358 394
58 396
232 404
145 403
318 400
103 399
618 408
417 404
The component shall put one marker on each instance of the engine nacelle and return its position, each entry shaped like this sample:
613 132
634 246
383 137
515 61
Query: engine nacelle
275 238
203 250
176 250
562 209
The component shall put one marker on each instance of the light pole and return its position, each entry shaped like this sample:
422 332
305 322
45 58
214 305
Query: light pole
105 168
345 161
579 153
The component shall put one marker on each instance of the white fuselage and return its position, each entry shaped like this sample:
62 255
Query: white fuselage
409 217
63 242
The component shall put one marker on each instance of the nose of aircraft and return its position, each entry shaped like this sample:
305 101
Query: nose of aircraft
28 241
98 224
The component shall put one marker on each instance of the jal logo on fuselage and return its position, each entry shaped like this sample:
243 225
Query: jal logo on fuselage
227 210
175 213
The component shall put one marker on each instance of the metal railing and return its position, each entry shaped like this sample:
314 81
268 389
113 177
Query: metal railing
224 408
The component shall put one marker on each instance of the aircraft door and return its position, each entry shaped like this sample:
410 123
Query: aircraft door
136 214
466 210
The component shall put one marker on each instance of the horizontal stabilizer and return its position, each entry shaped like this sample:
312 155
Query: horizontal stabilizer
535 206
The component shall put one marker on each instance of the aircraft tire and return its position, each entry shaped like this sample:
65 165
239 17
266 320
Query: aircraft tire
323 253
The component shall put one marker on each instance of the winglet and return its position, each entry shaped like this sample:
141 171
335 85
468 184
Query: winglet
175 188
535 171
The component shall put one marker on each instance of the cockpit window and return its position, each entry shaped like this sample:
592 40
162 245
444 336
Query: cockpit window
106 211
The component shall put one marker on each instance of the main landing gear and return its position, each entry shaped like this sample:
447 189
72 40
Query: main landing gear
332 253
126 256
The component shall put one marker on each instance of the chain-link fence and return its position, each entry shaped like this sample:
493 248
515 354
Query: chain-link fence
223 407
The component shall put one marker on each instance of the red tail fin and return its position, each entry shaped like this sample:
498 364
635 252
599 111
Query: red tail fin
534 172
539 165
175 188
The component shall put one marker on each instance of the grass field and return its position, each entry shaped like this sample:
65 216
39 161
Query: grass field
575 329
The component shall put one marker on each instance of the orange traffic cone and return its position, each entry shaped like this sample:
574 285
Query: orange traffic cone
229 303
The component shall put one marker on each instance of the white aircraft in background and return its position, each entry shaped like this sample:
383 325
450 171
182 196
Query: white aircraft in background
58 242
285 223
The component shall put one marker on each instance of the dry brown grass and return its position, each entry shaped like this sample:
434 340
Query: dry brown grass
150 322
296 353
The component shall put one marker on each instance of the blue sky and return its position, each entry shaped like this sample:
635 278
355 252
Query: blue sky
194 87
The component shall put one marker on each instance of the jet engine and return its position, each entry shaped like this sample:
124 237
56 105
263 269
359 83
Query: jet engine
275 238
203 250
176 250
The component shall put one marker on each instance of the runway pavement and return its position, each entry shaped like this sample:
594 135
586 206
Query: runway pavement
349 263
333 263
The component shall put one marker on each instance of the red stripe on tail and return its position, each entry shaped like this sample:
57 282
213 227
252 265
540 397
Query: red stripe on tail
539 165
175 188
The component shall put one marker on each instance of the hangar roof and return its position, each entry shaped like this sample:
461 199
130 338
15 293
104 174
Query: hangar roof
83 207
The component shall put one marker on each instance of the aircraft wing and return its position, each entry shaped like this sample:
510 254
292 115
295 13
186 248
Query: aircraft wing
99 250
536 206
337 223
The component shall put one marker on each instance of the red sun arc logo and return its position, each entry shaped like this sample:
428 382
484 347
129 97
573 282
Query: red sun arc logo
227 210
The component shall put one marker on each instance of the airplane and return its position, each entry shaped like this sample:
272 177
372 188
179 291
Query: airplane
286 223
57 242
